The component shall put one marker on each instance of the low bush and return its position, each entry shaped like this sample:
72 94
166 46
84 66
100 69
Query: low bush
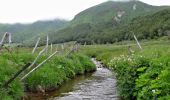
16 88
142 76
58 70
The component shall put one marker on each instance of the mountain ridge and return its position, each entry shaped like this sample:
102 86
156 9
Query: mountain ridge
27 32
95 24
92 22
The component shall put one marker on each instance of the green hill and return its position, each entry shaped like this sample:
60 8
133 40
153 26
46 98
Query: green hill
98 23
148 27
28 32
107 11
145 27
108 22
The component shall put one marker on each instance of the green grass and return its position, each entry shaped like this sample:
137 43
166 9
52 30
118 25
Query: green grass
7 69
59 70
143 75
50 76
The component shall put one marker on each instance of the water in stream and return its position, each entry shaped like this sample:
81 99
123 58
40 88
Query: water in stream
100 85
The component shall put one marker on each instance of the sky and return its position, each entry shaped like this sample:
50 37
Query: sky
27 11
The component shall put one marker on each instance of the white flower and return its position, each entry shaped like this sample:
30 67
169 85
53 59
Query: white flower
153 91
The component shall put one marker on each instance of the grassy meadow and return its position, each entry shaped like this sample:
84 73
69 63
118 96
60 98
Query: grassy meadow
142 74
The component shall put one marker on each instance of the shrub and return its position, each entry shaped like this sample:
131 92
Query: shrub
15 89
59 69
142 77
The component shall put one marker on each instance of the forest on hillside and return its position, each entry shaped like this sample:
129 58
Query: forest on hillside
108 22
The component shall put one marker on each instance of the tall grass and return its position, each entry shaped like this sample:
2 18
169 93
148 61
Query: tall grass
51 75
15 90
59 70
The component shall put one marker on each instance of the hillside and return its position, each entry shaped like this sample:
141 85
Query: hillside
112 10
28 32
108 22
145 27
97 23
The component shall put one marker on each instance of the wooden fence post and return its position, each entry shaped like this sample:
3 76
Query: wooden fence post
40 53
36 46
51 48
9 38
137 41
38 66
16 75
2 40
47 45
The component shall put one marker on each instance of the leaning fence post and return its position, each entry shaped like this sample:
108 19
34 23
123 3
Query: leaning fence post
137 41
51 48
38 66
47 45
36 46
16 75
40 53
2 40
6 35
10 40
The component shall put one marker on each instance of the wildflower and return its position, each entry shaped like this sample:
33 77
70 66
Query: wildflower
153 91
129 59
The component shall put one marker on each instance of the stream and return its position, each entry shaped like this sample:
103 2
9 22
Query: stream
100 85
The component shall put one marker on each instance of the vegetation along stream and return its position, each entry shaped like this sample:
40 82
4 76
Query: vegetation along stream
100 85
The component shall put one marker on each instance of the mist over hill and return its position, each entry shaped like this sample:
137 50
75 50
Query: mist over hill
107 22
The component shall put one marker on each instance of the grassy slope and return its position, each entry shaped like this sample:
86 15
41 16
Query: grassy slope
106 11
148 27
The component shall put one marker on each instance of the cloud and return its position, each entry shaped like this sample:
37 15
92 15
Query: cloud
13 11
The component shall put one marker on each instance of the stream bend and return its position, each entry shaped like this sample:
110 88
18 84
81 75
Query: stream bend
101 85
